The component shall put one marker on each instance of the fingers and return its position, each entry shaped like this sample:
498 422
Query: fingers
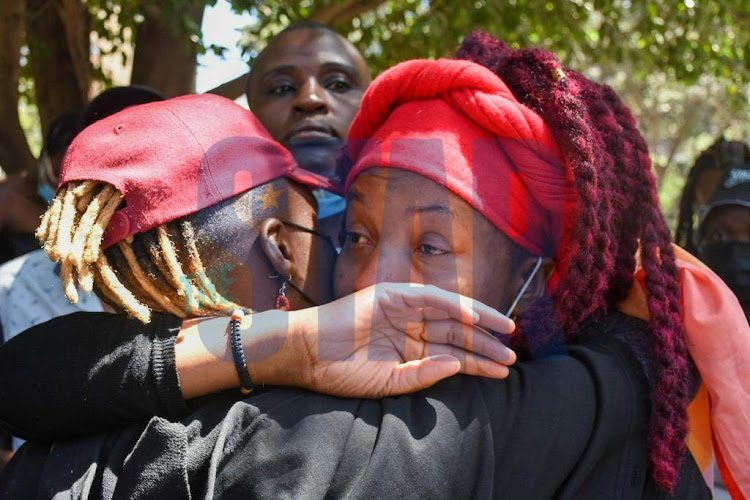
469 339
430 313
471 364
420 374
433 299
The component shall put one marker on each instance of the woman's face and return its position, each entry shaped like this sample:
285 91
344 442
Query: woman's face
402 227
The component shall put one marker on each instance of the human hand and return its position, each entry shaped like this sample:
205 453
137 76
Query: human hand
20 206
396 338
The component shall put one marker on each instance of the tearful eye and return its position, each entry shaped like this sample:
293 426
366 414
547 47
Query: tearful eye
432 250
354 238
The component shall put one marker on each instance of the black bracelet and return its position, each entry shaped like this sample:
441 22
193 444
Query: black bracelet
235 339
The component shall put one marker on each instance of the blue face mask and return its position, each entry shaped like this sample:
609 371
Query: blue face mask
329 204
46 191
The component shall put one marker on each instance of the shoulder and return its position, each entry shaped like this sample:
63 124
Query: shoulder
622 338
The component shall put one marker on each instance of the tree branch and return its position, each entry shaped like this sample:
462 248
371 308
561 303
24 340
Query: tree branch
356 8
59 64
15 155
75 22
232 89
677 141
164 59
335 15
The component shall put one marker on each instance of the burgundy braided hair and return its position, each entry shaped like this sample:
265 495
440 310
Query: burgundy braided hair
618 212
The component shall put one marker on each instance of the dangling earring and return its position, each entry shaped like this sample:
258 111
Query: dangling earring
282 301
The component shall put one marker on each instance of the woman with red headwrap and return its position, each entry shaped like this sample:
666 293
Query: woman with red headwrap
500 190
475 149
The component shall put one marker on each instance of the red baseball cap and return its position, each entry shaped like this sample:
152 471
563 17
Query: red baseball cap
173 158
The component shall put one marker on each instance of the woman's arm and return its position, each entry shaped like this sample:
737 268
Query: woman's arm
385 340
96 372
87 372
568 426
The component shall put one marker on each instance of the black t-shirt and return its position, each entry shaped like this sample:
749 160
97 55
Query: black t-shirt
567 426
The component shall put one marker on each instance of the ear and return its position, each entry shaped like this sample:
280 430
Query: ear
537 286
275 246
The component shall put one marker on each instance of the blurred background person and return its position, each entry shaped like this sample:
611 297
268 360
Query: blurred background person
717 198
723 238
24 197
30 285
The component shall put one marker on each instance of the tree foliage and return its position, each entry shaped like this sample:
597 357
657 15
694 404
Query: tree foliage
683 39
682 65
54 54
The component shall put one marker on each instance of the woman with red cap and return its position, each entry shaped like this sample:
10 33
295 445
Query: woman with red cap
445 214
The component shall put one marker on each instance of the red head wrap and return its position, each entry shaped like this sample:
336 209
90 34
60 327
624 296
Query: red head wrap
457 123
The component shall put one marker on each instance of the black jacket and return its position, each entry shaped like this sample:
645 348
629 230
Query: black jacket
567 426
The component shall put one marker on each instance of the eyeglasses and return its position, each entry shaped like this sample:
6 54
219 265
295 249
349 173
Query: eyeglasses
325 237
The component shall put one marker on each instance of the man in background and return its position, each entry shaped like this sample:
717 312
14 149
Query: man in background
305 88
724 232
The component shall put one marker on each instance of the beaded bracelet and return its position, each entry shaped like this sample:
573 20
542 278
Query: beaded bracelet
235 340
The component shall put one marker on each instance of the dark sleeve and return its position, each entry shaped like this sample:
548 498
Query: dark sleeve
569 426
88 372
553 426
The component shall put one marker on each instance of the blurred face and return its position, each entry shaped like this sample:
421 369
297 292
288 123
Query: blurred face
706 186
402 227
725 247
305 89
726 224
53 169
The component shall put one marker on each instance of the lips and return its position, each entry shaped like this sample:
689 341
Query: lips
310 131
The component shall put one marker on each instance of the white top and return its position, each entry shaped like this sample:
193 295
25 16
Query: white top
31 293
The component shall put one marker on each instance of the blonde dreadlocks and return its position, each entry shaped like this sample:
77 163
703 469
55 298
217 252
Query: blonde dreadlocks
140 274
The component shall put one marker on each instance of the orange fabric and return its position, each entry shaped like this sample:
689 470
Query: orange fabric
718 338
700 442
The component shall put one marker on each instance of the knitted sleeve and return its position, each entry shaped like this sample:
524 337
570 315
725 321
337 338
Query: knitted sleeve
89 372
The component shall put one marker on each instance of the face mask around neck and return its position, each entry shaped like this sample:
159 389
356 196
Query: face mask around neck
525 286
329 204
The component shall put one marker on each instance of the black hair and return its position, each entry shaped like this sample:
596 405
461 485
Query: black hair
61 133
308 24
305 24
116 99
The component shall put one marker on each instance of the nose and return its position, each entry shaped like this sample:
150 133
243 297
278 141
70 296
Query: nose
384 266
311 98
